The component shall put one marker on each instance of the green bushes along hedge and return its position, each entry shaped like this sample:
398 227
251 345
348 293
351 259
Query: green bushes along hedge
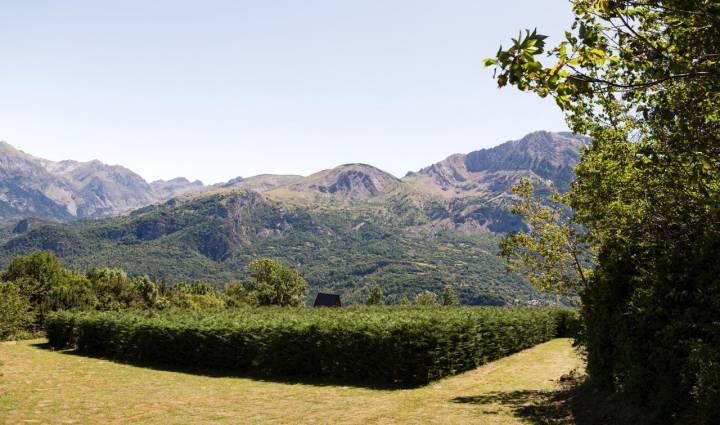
396 346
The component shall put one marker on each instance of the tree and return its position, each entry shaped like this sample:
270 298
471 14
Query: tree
376 296
16 315
450 298
35 275
148 291
426 298
553 253
276 284
73 291
113 288
196 296
47 285
239 296
404 301
642 79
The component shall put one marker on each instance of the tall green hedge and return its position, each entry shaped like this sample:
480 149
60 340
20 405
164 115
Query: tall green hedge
395 346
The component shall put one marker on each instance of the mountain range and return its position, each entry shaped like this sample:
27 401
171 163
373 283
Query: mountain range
345 229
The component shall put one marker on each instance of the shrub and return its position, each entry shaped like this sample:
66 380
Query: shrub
403 346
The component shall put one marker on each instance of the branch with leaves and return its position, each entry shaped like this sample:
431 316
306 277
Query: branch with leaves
554 253
601 55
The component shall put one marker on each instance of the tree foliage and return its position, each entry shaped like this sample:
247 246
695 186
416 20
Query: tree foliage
16 313
449 297
426 298
376 296
553 254
47 285
276 284
642 79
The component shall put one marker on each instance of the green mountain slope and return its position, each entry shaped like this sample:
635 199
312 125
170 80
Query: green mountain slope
339 250
345 229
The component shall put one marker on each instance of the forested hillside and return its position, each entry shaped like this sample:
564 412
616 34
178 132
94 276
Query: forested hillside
345 229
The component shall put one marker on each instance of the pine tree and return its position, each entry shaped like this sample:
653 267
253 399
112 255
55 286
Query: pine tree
449 296
376 296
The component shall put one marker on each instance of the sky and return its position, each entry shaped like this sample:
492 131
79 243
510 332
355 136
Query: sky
215 89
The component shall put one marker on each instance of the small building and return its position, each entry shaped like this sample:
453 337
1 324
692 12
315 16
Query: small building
327 300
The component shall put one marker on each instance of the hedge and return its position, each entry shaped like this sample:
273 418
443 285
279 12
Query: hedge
380 345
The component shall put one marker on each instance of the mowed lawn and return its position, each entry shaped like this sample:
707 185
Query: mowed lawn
42 386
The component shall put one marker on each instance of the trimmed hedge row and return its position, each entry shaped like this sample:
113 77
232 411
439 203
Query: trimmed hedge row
396 346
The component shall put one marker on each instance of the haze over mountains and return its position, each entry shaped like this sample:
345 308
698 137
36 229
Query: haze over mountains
345 229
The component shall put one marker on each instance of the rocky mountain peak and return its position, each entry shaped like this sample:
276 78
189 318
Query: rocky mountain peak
353 182
541 156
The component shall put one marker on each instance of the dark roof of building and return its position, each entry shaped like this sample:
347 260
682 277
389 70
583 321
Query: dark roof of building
327 300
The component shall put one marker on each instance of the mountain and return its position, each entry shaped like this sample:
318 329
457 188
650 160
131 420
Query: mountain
259 183
166 189
348 182
345 229
100 189
473 192
542 157
68 190
27 188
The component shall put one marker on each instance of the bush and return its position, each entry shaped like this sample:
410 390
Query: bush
402 346
16 314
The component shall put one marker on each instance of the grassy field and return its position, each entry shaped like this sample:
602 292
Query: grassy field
42 386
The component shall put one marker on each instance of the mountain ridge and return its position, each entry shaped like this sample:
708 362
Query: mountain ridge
345 229
68 190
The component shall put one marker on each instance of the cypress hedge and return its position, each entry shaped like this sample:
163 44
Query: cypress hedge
378 345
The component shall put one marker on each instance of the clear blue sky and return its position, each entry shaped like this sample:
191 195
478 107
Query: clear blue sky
215 89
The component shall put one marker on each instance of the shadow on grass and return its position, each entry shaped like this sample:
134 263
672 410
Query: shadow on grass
575 402
535 407
223 373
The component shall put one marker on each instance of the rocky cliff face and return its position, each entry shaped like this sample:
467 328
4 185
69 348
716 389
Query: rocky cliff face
66 190
348 182
543 157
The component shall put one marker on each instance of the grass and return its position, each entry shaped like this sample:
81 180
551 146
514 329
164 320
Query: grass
38 385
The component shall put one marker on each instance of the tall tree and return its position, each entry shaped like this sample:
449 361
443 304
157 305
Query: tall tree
376 296
642 79
449 297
